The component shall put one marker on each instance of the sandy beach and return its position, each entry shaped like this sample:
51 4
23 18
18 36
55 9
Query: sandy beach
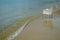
40 29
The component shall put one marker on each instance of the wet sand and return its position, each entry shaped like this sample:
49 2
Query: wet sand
40 29
57 12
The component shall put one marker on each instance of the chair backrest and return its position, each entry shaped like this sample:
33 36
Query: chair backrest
48 11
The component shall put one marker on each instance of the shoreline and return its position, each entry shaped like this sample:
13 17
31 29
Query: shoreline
40 29
19 24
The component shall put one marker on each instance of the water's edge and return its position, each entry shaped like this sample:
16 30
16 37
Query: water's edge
16 26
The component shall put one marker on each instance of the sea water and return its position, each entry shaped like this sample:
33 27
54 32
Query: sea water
10 10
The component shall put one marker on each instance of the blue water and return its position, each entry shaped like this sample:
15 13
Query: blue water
10 10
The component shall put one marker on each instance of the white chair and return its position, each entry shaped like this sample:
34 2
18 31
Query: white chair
48 13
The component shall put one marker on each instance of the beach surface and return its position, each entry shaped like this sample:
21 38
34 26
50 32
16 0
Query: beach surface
40 29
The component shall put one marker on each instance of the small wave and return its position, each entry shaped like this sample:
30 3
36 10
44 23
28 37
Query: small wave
17 32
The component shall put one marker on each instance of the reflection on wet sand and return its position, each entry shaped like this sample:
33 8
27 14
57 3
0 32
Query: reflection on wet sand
57 12
48 23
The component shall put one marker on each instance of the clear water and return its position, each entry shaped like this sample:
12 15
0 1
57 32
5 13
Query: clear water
10 10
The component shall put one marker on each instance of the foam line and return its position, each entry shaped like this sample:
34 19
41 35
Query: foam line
11 37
